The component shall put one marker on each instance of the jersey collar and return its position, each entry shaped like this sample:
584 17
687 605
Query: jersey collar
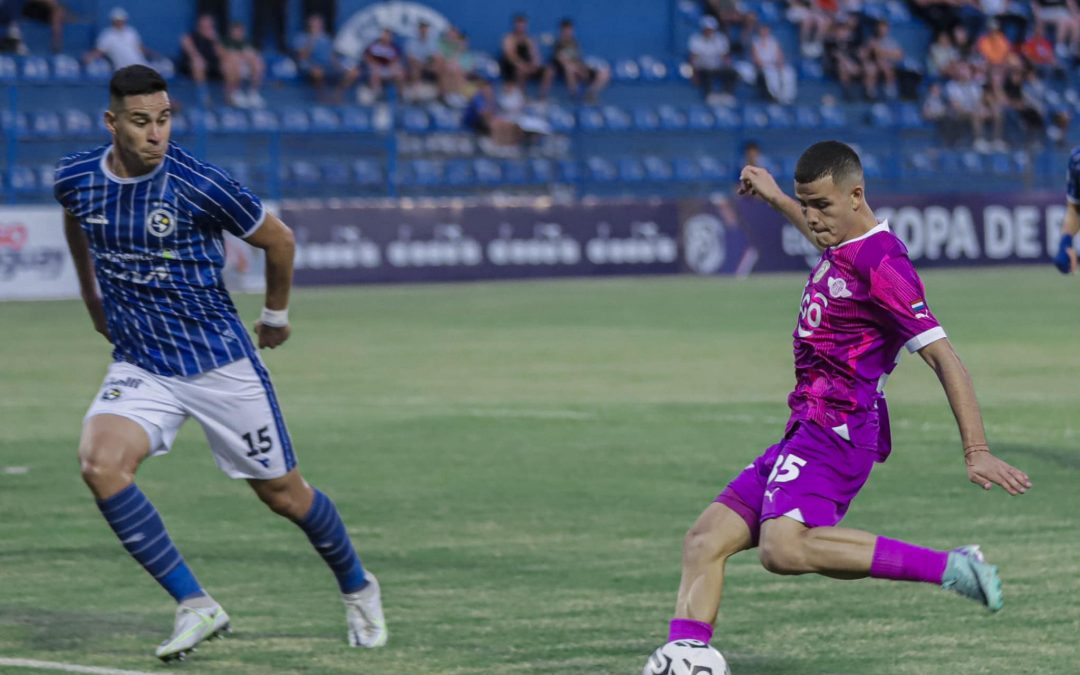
133 179
882 226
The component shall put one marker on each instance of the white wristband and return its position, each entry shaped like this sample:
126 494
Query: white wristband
275 318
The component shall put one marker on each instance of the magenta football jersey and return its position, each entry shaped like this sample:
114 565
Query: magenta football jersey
862 304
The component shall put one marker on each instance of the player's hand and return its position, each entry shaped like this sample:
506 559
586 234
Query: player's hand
97 315
271 336
1065 260
755 181
986 470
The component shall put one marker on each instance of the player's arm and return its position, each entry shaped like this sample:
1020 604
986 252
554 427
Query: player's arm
84 270
276 239
1065 260
984 469
755 181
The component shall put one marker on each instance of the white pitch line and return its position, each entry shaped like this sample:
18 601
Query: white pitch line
68 667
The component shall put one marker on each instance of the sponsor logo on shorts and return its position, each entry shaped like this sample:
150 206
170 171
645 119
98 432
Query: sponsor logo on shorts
111 394
131 382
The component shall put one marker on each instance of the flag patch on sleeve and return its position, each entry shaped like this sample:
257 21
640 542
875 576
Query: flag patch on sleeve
919 309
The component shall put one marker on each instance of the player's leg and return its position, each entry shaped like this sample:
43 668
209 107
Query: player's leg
718 534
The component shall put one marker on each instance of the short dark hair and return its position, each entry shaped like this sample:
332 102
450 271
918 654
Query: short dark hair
566 21
828 158
136 81
520 17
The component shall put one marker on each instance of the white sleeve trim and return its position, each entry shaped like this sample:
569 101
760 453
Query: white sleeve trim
258 223
926 337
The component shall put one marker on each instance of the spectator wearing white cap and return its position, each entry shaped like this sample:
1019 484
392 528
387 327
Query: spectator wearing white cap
119 43
710 57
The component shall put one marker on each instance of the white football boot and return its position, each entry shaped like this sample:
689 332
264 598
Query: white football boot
364 615
193 625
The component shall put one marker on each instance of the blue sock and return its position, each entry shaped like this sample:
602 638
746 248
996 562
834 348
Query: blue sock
140 529
324 528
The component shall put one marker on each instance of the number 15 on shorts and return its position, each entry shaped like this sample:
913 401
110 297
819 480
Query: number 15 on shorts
786 469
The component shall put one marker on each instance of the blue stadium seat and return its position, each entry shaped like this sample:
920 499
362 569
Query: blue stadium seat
66 68
646 119
871 165
972 162
237 170
919 164
561 119
1022 161
486 66
9 69
569 171
459 172
295 120
755 117
334 171
303 172
653 68
164 66
45 124
180 124
35 69
807 117
811 69
78 123
543 171
698 117
515 172
657 169
282 68
779 116
769 12
98 70
626 70
727 118
591 119
881 116
601 170
713 169
833 117
488 171
616 118
356 119
264 120
910 117
368 172
46 176
1000 164
686 169
14 123
423 172
23 178
324 119
415 120
631 170
671 118
203 119
233 121
445 119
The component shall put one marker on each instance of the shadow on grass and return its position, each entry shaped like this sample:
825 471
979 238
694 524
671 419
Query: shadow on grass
1066 459
56 630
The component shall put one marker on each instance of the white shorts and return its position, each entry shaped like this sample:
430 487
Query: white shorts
235 405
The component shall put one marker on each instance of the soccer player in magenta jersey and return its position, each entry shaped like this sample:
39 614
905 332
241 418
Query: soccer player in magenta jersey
146 219
1065 260
861 305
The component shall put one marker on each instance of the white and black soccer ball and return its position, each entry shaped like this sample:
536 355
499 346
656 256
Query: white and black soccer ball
686 657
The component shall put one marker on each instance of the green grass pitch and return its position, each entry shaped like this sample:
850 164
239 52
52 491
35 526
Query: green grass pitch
518 463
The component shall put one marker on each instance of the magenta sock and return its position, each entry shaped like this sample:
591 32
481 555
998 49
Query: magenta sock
906 562
688 629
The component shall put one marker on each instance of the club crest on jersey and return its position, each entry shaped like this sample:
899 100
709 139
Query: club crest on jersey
161 222
919 309
825 265
838 288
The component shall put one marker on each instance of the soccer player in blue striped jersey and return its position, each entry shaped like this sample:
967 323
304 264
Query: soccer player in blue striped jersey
145 220
1066 260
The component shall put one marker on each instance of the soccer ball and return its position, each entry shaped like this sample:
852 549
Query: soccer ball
686 657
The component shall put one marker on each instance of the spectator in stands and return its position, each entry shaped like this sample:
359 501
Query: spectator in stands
315 54
481 115
942 56
1009 16
423 57
568 63
204 58
993 46
734 21
881 58
969 106
384 64
710 57
457 63
327 9
777 74
936 111
1063 17
814 18
946 15
1021 106
249 64
519 59
269 16
1038 51
46 11
120 43
842 54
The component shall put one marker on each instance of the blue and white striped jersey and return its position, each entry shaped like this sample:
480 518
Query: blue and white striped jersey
1072 178
158 253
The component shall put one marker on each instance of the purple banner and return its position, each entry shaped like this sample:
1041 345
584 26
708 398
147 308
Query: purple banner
939 230
391 243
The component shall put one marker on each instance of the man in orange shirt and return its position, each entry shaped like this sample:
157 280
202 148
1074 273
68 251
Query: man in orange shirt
994 46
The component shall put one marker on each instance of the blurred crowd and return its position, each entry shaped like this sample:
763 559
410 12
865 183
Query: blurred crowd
984 81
